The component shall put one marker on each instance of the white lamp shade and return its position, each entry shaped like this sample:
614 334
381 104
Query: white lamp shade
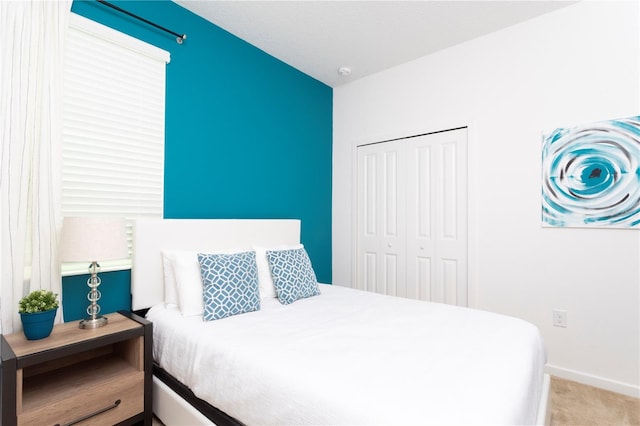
93 239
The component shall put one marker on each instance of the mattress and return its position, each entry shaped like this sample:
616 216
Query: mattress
353 357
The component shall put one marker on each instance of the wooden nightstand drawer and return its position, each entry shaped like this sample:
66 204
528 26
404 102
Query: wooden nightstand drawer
85 377
66 395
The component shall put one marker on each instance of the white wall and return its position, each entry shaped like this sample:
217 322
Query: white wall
569 67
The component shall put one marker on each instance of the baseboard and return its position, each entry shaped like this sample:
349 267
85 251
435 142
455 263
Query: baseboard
592 380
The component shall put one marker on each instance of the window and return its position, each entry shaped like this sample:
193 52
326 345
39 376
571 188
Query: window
113 126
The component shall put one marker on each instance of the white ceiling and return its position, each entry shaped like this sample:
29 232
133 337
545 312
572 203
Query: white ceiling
319 37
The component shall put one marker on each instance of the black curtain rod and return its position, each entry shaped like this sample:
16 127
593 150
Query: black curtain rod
179 37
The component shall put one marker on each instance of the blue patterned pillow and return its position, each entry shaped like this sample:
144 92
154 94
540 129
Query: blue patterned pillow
230 284
293 275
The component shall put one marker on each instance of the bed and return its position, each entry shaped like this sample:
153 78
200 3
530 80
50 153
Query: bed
342 356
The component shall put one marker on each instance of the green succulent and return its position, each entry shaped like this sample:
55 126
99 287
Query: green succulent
38 301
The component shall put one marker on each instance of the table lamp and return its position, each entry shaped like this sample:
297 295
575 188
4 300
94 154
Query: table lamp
93 239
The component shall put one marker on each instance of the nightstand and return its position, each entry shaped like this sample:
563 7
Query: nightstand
78 376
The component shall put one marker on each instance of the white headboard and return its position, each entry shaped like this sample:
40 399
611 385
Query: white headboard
151 236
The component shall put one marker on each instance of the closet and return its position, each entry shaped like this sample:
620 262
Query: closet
412 217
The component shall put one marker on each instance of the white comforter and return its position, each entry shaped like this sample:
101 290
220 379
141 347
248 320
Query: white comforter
351 357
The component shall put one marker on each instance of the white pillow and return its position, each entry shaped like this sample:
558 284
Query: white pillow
170 290
188 281
267 288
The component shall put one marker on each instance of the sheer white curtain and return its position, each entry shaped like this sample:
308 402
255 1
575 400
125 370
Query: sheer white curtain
32 44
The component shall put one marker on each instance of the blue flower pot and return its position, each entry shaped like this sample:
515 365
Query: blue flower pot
39 324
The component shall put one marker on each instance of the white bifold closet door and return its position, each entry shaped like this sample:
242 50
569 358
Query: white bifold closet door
412 217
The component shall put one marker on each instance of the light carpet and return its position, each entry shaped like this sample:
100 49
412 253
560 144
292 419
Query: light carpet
575 404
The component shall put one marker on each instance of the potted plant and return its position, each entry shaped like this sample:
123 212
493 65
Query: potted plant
37 312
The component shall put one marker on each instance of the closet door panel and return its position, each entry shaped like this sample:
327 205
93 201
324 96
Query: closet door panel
419 279
450 281
451 215
367 277
420 243
367 255
393 220
381 218
449 190
437 216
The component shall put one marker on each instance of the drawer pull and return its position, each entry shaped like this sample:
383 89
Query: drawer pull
95 413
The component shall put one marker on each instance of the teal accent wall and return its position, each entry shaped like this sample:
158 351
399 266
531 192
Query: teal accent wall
247 136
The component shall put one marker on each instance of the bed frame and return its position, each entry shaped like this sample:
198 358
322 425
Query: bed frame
174 403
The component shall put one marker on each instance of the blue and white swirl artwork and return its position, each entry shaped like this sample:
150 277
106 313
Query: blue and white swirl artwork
591 175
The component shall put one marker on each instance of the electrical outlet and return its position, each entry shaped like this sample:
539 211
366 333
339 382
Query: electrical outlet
559 318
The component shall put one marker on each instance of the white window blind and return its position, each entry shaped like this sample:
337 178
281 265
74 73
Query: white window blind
113 125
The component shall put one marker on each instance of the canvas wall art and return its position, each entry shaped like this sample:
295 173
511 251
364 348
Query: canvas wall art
591 175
